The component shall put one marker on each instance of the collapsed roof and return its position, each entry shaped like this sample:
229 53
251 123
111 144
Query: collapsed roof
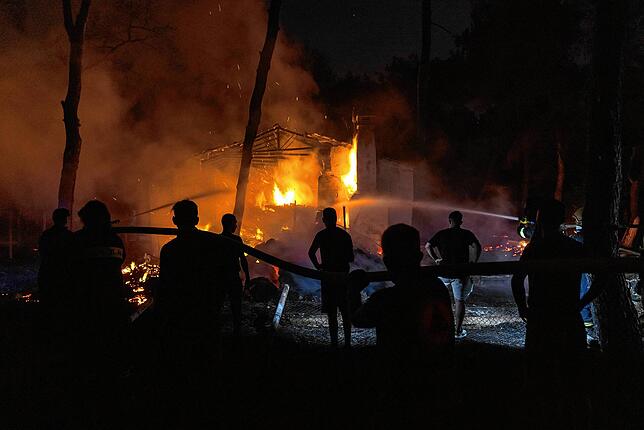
274 144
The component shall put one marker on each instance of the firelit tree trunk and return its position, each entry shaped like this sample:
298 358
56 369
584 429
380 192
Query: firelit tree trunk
615 313
422 108
76 35
255 109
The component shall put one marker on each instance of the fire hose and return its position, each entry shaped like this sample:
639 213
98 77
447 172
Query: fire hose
555 266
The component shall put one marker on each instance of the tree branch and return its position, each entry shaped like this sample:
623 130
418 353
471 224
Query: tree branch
81 18
67 17
112 48
445 29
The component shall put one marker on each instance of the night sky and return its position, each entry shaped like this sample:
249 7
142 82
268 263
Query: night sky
363 35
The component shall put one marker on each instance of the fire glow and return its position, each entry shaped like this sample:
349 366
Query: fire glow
283 198
508 247
350 180
136 277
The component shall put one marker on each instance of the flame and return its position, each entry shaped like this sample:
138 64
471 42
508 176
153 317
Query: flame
283 198
350 180
291 182
261 201
259 234
136 277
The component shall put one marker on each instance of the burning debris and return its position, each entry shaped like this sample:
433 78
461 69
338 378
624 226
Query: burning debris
506 247
138 278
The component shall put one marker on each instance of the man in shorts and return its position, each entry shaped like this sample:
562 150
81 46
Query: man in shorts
455 245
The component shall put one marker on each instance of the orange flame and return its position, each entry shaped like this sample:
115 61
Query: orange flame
350 180
283 198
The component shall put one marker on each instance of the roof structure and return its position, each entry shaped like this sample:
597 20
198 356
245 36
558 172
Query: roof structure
271 145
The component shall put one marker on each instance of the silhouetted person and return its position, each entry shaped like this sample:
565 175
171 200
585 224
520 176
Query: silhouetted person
586 281
414 327
102 311
456 245
99 254
187 311
336 251
555 335
232 259
186 298
54 247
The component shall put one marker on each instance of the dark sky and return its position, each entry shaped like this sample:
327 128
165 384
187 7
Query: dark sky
363 35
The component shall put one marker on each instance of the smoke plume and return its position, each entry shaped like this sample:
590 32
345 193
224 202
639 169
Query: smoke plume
162 81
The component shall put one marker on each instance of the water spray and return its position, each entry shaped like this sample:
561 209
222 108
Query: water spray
201 195
389 202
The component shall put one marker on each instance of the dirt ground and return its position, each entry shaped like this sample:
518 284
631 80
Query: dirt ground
269 379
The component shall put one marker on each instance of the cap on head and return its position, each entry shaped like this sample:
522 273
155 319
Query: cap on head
551 214
95 214
186 213
329 217
60 215
456 217
401 247
229 222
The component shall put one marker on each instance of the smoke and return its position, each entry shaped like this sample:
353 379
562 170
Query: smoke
181 84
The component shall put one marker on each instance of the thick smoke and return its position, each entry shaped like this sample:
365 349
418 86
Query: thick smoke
180 85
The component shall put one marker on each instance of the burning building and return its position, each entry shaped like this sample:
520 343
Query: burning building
293 176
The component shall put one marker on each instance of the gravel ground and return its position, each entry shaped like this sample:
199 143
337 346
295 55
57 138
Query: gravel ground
303 323
15 279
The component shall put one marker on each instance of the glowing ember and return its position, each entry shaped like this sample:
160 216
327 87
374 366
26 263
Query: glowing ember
252 236
350 180
508 247
136 278
259 234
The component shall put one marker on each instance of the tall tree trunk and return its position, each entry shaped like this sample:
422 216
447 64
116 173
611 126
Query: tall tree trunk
76 35
561 167
615 313
422 108
255 109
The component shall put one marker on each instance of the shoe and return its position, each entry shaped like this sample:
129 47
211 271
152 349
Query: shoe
592 341
461 334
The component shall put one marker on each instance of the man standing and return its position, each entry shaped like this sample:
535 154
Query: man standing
456 245
232 258
555 337
186 297
336 250
54 246
187 308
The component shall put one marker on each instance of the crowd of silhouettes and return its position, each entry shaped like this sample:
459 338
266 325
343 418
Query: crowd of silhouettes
414 322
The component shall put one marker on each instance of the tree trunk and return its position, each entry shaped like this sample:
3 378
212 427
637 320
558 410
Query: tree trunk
73 141
255 109
615 313
422 108
561 167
